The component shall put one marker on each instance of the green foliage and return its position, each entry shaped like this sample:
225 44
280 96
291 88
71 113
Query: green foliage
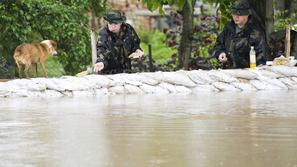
64 21
224 7
160 52
283 20
158 4
98 6
294 27
215 63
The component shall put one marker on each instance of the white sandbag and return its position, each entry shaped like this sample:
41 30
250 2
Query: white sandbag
175 89
83 93
160 90
178 78
52 93
240 73
273 81
204 88
182 90
116 80
67 93
18 83
132 89
71 85
294 79
199 77
262 85
222 86
102 91
84 82
35 94
284 70
219 76
77 83
99 80
156 76
122 79
19 93
142 79
168 86
37 84
3 90
44 94
289 83
154 89
25 84
265 73
148 88
117 89
131 82
244 86
135 83
41 80
52 84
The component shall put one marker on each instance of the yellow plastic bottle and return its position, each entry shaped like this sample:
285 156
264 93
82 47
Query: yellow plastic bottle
252 57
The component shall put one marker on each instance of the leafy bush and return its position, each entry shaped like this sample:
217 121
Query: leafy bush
29 21
160 52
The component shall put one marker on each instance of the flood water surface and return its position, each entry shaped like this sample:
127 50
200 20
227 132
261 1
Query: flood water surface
256 129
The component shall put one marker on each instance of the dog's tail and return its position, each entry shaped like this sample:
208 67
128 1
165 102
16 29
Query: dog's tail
16 54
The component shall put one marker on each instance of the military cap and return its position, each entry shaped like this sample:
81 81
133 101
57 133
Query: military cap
241 8
115 17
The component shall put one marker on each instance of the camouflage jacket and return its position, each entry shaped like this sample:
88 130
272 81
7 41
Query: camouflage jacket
237 45
113 49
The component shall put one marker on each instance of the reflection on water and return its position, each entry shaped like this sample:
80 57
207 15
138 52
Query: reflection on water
255 129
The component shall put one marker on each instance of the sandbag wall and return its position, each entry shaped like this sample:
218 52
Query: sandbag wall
180 82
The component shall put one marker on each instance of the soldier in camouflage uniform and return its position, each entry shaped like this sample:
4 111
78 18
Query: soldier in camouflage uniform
233 44
117 46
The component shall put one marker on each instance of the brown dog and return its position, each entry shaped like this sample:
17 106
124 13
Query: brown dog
31 54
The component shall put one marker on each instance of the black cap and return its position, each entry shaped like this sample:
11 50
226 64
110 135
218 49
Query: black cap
115 17
241 8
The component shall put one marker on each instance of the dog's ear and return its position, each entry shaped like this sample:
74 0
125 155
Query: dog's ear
54 44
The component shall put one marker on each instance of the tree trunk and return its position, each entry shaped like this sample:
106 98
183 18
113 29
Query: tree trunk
293 10
259 6
291 7
185 46
294 45
269 24
269 18
93 37
264 13
288 41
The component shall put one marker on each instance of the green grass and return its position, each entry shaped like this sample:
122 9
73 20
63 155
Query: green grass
53 68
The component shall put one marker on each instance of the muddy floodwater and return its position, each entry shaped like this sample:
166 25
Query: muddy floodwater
238 129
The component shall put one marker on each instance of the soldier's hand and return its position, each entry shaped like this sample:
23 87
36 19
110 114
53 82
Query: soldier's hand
137 54
223 57
98 67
